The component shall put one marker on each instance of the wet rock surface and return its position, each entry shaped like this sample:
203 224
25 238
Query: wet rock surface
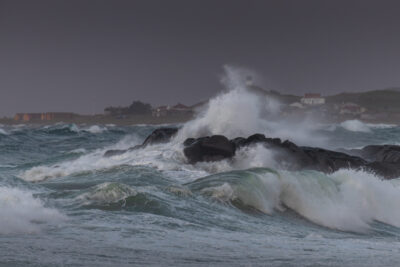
161 135
383 160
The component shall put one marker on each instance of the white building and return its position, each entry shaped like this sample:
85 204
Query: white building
296 105
312 99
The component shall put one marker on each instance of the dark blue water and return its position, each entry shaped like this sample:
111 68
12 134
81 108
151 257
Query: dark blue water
63 203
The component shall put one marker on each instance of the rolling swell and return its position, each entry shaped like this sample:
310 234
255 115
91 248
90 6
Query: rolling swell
347 200
152 200
118 196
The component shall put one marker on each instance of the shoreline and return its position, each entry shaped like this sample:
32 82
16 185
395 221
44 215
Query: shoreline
104 120
151 120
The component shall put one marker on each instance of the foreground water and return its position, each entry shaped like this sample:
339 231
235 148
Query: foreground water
63 203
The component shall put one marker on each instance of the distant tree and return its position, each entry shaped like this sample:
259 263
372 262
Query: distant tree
138 107
113 110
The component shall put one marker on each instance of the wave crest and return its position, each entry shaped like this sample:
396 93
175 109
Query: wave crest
23 213
346 200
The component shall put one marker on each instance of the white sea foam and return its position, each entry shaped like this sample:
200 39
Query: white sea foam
23 213
347 200
240 112
151 156
95 129
381 125
7 166
3 132
78 151
235 112
107 193
355 126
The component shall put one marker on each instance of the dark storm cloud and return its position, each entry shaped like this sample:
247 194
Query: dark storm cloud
85 55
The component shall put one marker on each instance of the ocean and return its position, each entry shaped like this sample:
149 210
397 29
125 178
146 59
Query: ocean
62 203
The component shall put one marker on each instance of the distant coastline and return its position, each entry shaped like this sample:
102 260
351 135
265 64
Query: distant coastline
148 119
378 106
105 119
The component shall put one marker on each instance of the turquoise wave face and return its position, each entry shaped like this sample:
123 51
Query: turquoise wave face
62 202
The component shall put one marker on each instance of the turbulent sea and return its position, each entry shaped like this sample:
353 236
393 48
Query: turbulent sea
63 203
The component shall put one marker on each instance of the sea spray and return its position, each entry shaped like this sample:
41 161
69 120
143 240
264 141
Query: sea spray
234 112
23 213
355 126
240 111
106 193
346 200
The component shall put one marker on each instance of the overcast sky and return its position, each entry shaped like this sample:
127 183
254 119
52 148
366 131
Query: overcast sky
85 55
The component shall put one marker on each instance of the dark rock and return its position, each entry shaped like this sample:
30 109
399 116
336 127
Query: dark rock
331 161
161 135
238 142
386 170
210 148
254 139
114 152
189 141
381 160
382 153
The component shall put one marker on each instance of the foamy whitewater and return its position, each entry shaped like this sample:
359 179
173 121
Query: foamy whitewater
63 203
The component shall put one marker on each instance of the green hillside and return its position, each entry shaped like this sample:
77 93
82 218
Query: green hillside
379 100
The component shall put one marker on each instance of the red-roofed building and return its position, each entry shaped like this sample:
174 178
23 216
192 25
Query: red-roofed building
312 99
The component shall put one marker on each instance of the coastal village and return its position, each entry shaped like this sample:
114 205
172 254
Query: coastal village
372 106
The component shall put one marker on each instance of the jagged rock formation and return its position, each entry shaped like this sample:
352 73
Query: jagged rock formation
383 160
161 135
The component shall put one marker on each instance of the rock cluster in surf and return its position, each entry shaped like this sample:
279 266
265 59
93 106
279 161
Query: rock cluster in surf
383 160
161 135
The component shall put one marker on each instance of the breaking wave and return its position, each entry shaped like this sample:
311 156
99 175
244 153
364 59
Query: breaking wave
23 213
359 126
3 132
95 129
346 200
355 126
107 193
239 111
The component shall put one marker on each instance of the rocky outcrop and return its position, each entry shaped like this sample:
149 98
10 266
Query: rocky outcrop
213 148
386 170
382 160
161 135
382 153
290 155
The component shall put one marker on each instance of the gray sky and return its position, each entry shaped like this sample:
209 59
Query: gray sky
85 55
